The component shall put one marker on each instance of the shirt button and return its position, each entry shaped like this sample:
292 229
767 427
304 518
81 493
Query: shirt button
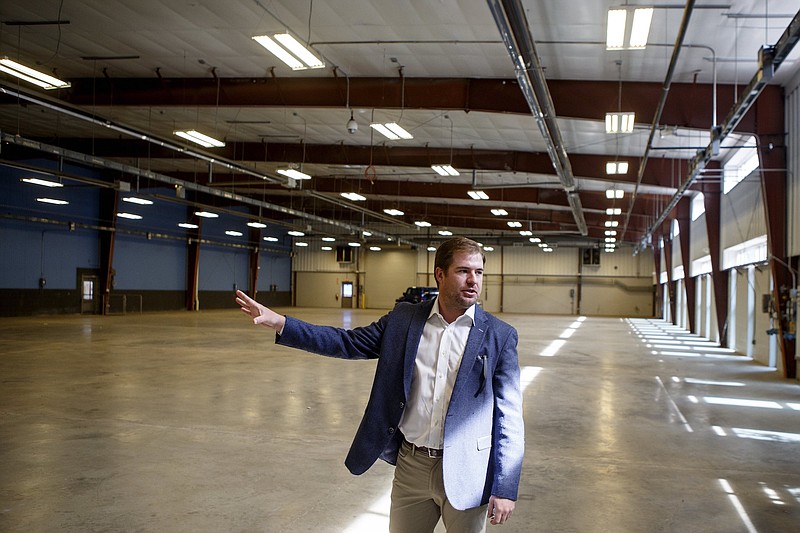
391 430
402 405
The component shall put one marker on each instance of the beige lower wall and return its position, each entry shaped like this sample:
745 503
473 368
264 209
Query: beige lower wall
320 289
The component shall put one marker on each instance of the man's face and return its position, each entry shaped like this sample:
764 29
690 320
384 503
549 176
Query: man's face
460 285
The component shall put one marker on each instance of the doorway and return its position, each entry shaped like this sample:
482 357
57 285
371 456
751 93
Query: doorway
88 285
347 295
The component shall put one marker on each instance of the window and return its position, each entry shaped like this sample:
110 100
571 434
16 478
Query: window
698 206
88 289
743 161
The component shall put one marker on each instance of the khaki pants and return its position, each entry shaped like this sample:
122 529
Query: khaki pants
418 498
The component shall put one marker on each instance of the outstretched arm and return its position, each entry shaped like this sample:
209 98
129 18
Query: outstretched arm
260 314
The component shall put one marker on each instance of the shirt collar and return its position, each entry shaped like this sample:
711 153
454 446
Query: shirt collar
470 312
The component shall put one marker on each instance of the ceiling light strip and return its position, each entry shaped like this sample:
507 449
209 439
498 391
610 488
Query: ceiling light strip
31 75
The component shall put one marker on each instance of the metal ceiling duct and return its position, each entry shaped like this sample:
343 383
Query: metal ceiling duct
509 15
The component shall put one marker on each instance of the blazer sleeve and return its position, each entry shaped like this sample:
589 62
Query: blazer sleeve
509 431
357 343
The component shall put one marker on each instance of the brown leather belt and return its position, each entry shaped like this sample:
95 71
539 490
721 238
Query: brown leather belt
430 452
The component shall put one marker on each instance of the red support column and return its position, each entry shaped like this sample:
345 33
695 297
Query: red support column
712 194
193 262
772 160
684 226
109 200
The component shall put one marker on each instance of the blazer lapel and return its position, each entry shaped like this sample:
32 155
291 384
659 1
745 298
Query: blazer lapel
412 345
472 352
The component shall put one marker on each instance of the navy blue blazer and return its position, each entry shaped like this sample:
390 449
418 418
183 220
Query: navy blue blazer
483 432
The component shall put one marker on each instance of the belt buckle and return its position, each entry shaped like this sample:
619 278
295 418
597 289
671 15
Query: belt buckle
432 453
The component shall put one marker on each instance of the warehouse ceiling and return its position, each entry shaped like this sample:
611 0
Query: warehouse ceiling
442 69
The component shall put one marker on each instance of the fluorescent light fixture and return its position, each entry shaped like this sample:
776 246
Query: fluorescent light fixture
52 201
499 212
199 138
367 234
326 248
611 239
615 30
445 233
613 194
375 248
422 223
354 244
355 197
295 233
478 195
129 216
45 81
233 233
542 245
187 225
526 233
299 50
137 201
431 248
611 232
547 249
638 31
614 211
445 170
609 249
295 55
620 122
392 131
301 244
329 239
294 174
514 224
641 27
611 223
617 167
535 239
206 214
43 183
259 225
394 212
271 239
488 249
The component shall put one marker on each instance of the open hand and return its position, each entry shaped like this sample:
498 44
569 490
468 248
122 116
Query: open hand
260 314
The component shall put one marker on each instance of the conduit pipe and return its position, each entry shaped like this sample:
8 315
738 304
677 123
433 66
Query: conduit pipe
687 13
509 15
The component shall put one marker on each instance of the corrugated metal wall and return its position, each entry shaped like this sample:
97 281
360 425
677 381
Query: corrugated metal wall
516 279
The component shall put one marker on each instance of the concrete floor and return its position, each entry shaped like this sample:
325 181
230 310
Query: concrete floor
186 422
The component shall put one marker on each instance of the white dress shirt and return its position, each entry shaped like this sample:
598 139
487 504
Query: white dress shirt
438 360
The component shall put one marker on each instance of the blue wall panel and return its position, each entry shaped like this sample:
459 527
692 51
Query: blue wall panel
31 251
221 268
275 269
155 264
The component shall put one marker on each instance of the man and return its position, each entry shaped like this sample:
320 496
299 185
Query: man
445 405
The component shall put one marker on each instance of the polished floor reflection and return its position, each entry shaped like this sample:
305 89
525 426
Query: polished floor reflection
198 422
